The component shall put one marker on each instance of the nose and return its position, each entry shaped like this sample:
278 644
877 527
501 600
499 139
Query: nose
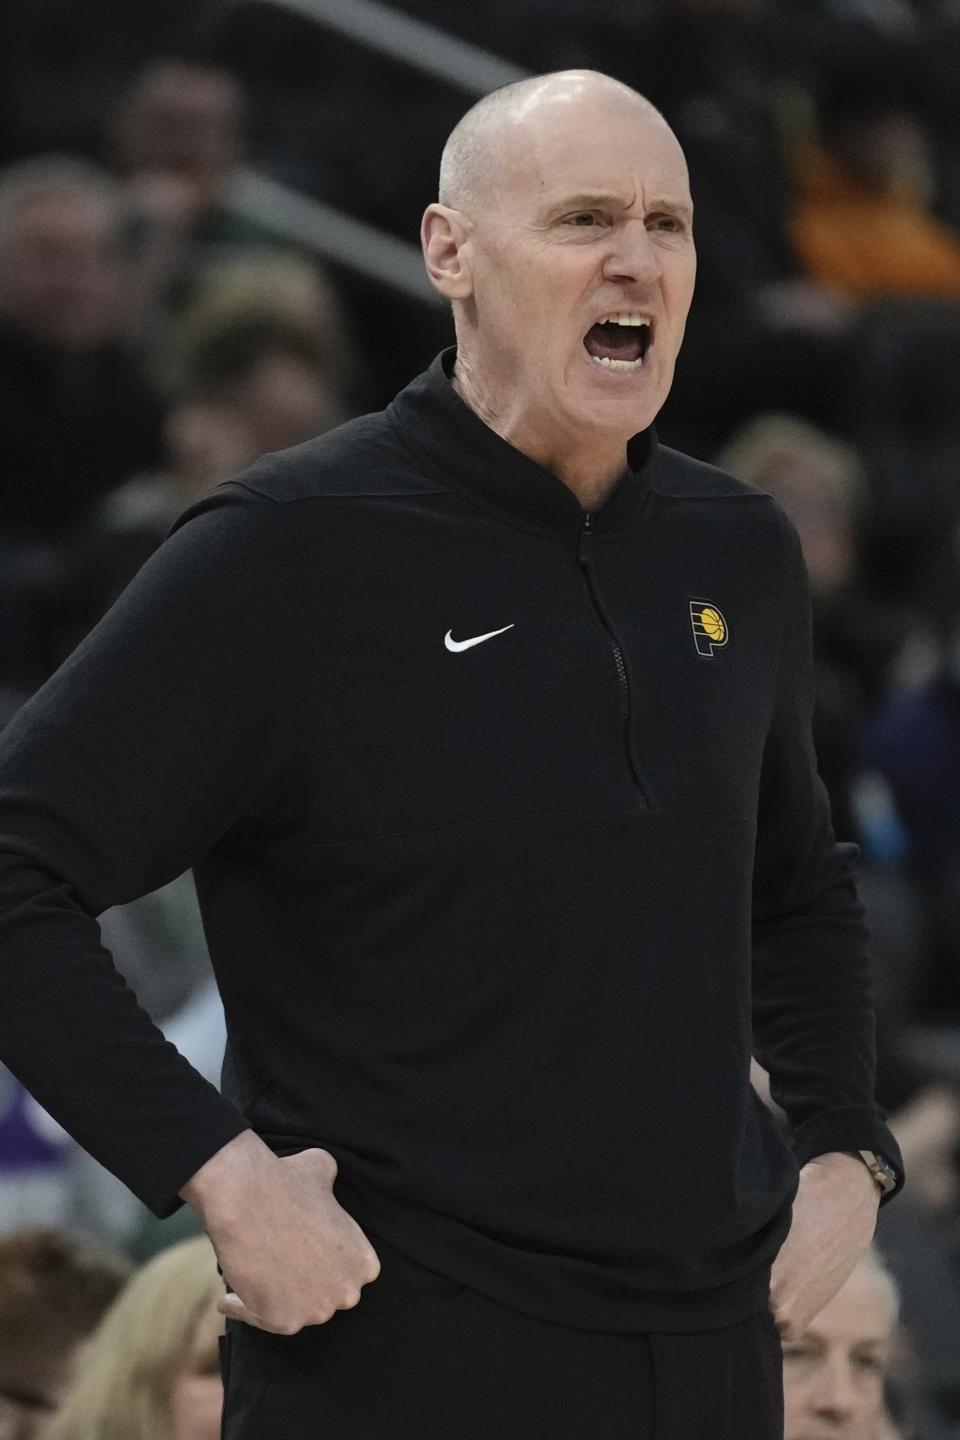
836 1396
633 255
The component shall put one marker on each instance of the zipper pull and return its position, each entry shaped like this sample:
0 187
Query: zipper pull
586 536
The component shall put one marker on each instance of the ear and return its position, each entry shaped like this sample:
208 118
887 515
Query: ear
443 234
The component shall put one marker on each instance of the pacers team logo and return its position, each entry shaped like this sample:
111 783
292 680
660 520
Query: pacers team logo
710 631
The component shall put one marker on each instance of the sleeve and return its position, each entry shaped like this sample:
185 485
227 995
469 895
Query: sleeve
174 717
813 1008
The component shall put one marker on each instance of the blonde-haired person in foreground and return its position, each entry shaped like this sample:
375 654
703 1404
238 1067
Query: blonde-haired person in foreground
151 1371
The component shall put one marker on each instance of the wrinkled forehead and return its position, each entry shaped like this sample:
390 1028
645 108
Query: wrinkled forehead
568 150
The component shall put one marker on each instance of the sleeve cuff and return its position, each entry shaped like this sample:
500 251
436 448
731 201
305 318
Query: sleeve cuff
853 1127
163 1198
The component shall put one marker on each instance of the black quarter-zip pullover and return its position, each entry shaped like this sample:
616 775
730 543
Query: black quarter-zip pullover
510 849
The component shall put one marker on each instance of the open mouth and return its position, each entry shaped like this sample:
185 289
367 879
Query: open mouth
620 341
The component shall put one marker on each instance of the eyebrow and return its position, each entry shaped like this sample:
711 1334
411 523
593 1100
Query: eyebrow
592 201
815 1338
673 207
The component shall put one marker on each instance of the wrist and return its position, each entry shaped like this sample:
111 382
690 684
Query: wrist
213 1189
852 1163
886 1178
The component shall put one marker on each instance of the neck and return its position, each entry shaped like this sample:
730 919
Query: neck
590 468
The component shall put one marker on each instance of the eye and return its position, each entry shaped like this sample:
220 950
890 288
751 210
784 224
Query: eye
583 219
672 224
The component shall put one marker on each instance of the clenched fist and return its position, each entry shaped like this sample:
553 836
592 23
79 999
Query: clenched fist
291 1254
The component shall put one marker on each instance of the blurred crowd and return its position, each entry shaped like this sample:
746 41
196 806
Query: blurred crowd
154 340
89 1351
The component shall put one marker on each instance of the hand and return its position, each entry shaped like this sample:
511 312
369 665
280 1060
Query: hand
834 1217
290 1253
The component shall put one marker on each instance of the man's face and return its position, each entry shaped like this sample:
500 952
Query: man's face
60 276
833 1376
589 220
183 120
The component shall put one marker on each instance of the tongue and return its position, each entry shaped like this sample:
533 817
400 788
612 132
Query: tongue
613 342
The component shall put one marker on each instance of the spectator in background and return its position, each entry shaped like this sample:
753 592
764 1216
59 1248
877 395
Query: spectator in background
151 1370
76 415
864 640
819 483
858 641
922 1243
261 359
833 1375
767 334
177 139
862 220
181 123
254 381
53 1292
913 741
277 286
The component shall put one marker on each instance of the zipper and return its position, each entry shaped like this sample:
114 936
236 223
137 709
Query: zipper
584 557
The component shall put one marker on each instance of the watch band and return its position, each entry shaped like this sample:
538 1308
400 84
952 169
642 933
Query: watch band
883 1172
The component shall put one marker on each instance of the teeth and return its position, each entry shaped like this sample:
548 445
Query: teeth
621 317
617 364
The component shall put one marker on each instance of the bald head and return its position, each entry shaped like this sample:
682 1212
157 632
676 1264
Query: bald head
478 147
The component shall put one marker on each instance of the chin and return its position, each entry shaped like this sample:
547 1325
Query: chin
626 415
634 401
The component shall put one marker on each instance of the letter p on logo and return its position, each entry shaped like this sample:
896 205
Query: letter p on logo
710 632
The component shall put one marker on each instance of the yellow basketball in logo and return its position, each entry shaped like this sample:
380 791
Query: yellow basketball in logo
712 624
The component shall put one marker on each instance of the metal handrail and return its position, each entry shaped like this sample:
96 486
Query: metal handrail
400 37
331 232
318 225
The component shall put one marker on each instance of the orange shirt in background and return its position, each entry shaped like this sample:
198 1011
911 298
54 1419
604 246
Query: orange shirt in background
863 243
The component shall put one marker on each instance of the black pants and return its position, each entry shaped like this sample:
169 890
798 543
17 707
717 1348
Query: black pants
421 1358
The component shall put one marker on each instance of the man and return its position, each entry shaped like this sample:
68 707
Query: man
484 722
178 140
252 385
53 1293
833 1374
76 413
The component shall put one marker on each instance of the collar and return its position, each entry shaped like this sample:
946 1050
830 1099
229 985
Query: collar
443 429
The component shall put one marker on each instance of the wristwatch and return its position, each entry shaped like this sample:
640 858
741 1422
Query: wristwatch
881 1170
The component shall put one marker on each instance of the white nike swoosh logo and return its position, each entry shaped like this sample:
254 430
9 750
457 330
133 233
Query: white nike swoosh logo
455 645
